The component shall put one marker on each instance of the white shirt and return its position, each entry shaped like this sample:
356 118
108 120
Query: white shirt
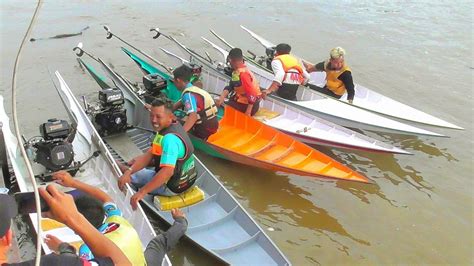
280 76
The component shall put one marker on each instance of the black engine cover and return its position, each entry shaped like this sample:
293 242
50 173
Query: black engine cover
111 121
154 83
54 155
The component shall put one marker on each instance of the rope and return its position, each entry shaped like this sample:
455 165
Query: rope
17 133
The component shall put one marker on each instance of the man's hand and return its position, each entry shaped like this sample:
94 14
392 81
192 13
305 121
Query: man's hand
123 180
219 102
52 242
135 199
264 94
177 213
62 206
64 179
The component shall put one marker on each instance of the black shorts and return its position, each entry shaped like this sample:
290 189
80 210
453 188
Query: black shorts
288 91
324 90
242 107
205 129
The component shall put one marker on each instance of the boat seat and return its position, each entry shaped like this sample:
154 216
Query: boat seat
264 114
190 197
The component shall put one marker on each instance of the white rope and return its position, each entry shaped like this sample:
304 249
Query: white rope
18 136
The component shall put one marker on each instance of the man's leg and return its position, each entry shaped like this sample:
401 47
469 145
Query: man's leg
238 106
142 177
288 91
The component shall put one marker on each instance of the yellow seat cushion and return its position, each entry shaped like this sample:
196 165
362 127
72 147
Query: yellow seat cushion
265 114
190 197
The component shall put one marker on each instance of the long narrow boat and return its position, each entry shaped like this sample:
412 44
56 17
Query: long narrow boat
243 139
99 171
301 125
218 224
334 110
368 99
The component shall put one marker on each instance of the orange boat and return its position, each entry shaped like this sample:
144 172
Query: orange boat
243 139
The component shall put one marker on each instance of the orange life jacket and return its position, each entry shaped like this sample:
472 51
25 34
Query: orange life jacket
240 95
290 62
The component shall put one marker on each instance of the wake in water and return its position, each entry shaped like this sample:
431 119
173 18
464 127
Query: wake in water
60 36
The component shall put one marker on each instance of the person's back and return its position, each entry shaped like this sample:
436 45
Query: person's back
116 228
289 73
200 101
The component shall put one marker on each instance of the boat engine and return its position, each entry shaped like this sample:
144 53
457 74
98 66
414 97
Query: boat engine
267 59
154 83
54 149
110 116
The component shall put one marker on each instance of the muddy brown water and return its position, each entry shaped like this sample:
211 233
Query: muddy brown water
420 208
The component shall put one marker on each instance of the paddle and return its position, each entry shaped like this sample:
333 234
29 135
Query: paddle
110 35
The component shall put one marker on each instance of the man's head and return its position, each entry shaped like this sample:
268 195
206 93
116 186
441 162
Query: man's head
235 58
182 76
336 57
282 48
92 209
161 115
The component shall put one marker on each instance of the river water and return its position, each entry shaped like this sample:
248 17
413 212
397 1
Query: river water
419 52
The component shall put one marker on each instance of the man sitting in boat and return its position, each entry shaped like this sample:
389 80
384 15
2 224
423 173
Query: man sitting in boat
100 210
338 75
63 209
289 73
243 87
171 152
201 111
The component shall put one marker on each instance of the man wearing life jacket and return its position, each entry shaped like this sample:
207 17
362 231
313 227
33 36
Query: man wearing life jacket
172 154
100 210
243 87
201 111
338 75
289 73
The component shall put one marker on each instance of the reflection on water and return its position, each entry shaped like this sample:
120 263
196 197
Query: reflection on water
414 143
378 165
281 203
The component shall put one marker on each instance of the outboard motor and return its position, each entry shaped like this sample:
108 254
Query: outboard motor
54 150
154 83
110 116
267 59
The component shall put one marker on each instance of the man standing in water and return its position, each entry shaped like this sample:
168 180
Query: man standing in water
289 73
338 75
243 86
201 111
171 152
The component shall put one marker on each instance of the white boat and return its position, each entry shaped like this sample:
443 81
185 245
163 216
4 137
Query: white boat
100 171
301 125
368 99
218 224
337 111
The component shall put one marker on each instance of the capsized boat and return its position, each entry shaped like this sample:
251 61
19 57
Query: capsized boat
98 168
337 111
218 224
368 99
243 139
301 125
